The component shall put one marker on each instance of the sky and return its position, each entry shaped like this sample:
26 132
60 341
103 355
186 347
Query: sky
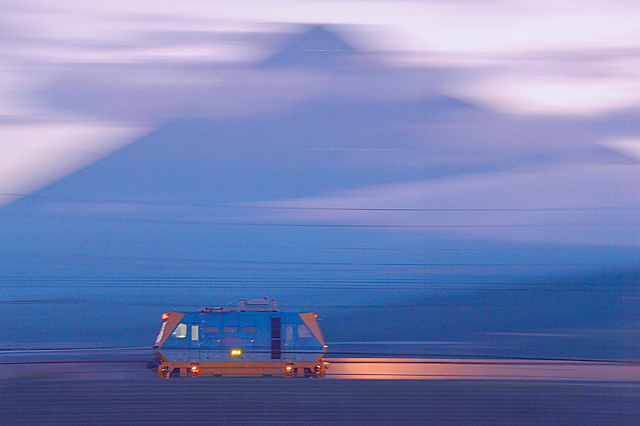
550 59
396 147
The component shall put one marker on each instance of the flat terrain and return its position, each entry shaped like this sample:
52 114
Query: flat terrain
146 401
135 366
39 390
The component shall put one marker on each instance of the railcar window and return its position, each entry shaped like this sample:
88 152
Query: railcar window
303 331
289 333
249 329
180 332
194 332
229 329
210 329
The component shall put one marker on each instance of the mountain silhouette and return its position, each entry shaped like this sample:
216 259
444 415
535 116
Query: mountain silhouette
317 47
175 218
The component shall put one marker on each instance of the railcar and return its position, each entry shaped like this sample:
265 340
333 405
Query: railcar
255 339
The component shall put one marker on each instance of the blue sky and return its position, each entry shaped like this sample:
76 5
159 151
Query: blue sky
327 153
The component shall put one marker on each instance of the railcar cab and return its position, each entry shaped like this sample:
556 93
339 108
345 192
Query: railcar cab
254 339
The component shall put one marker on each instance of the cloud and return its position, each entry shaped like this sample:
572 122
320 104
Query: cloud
461 25
16 92
145 63
459 34
626 146
36 154
582 82
166 59
570 205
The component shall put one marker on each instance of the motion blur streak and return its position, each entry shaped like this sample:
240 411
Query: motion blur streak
131 363
475 369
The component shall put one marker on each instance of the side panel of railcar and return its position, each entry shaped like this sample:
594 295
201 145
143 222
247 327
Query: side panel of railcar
222 341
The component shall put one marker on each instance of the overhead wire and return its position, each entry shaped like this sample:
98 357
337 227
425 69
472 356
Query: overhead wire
263 206
204 222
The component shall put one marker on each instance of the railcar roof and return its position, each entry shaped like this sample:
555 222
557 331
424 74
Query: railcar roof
205 310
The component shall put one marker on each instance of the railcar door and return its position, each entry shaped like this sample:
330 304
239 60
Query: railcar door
289 341
195 343
276 348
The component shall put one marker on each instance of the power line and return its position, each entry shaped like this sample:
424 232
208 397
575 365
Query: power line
195 306
372 264
389 269
381 209
301 284
338 225
375 249
261 280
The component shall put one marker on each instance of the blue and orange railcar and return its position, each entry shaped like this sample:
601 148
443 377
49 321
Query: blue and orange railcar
253 340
